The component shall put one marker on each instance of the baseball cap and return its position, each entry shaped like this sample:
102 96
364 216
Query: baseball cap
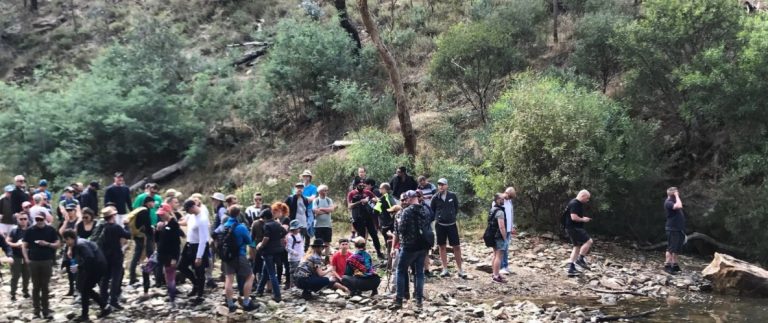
71 206
299 184
9 188
295 225
26 203
95 184
164 209
411 194
69 189
442 181
43 183
118 174
189 204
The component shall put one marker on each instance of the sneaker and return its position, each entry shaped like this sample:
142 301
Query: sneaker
232 307
428 274
210 283
307 295
82 319
397 305
48 316
106 311
462 275
419 306
13 298
572 272
499 279
193 293
197 300
444 273
116 306
581 262
381 256
172 305
676 268
504 271
278 300
668 269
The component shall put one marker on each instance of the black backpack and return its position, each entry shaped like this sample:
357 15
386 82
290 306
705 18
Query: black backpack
229 250
492 229
425 233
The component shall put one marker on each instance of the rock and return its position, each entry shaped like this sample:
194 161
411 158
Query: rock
611 283
484 268
729 274
562 316
301 309
497 305
356 299
608 299
478 312
222 310
47 23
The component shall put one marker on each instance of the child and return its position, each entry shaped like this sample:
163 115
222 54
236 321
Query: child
295 246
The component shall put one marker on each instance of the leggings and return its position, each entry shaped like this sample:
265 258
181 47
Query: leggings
170 281
282 265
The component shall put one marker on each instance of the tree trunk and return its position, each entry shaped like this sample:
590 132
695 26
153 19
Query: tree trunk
341 8
554 23
730 274
33 5
403 115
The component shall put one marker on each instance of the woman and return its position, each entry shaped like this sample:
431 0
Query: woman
280 213
270 247
359 275
168 238
497 221
86 225
311 277
70 223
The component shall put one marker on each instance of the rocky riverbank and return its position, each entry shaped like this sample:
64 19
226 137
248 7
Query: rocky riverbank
538 290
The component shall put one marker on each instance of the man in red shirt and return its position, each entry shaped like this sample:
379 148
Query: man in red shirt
359 204
339 258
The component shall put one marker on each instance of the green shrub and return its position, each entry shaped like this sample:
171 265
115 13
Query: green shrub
378 151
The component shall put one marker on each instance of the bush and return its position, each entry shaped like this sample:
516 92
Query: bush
595 54
378 151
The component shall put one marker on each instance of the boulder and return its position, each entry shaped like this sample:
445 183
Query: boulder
729 274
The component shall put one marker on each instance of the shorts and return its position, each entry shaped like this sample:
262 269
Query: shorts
450 233
578 236
240 266
675 241
501 244
324 233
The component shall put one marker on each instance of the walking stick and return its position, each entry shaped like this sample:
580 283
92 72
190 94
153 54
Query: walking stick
389 267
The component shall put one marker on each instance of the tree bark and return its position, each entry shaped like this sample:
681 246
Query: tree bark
341 8
403 115
33 5
554 23
730 274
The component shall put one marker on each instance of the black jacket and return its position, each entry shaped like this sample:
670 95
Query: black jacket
18 197
292 202
445 211
90 199
400 186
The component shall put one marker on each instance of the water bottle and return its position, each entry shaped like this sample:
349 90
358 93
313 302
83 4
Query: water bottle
73 266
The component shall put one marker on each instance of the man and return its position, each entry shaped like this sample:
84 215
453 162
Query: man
90 265
339 258
358 203
113 237
42 187
497 221
195 252
445 205
574 226
386 220
361 177
68 198
41 206
310 192
90 197
120 195
299 206
150 190
402 182
6 211
413 249
19 194
509 213
323 207
39 250
253 212
427 189
257 234
19 268
239 265
271 246
143 238
675 228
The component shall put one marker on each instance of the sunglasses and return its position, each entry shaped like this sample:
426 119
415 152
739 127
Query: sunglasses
27 207
20 181
22 219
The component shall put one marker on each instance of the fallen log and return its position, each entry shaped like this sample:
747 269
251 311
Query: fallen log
250 56
626 317
250 43
729 274
617 292
705 238
161 174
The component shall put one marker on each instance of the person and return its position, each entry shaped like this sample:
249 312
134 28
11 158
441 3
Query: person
6 211
90 197
84 227
19 194
310 193
339 258
310 276
239 265
386 221
295 247
509 213
445 205
323 207
574 227
271 246
394 249
90 264
72 215
253 212
150 191
39 249
298 206
19 268
362 217
360 275
195 251
497 221
675 229
120 196
142 239
402 182
427 189
413 249
168 239
68 199
362 175
112 238
257 234
42 187
41 206
219 209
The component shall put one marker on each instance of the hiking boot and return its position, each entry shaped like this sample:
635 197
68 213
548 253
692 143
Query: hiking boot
444 273
397 305
278 300
197 300
428 274
668 269
193 293
26 294
581 262
419 306
13 298
499 279
676 268
116 306
249 307
307 295
210 283
82 318
48 315
232 307
106 311
572 272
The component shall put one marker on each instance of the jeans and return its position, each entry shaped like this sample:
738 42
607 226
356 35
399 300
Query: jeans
86 282
197 276
282 266
505 255
40 271
111 282
141 246
269 273
408 258
19 269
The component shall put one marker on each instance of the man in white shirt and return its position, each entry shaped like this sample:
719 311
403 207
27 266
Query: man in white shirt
196 251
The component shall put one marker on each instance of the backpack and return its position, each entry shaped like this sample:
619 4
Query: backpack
492 229
229 249
425 233
98 232
564 217
131 218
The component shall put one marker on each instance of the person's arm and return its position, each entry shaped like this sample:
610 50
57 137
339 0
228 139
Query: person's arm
678 202
10 242
502 227
575 218
455 203
107 195
202 231
128 199
25 251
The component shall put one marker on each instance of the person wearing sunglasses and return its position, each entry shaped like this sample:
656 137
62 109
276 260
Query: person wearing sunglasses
19 268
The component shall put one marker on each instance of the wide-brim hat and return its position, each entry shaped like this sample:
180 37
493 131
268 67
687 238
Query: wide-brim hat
108 211
172 192
306 172
318 243
218 196
295 225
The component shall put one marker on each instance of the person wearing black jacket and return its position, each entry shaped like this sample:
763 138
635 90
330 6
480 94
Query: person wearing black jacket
91 264
19 194
168 238
90 197
298 209
19 268
445 205
402 182
111 242
120 195
144 225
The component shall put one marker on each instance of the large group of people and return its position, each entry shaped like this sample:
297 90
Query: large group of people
285 245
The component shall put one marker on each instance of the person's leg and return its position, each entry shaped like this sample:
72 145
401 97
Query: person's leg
15 273
584 251
360 227
305 235
170 281
45 283
444 258
406 259
496 262
505 253
575 254
229 279
419 286
35 271
86 297
269 269
25 275
457 257
371 228
116 281
145 281
137 251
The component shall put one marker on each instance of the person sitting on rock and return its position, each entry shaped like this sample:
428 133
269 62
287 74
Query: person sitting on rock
360 275
311 277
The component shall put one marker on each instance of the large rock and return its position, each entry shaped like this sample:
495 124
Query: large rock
729 274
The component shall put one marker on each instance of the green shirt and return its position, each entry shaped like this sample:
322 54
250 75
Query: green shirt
139 202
